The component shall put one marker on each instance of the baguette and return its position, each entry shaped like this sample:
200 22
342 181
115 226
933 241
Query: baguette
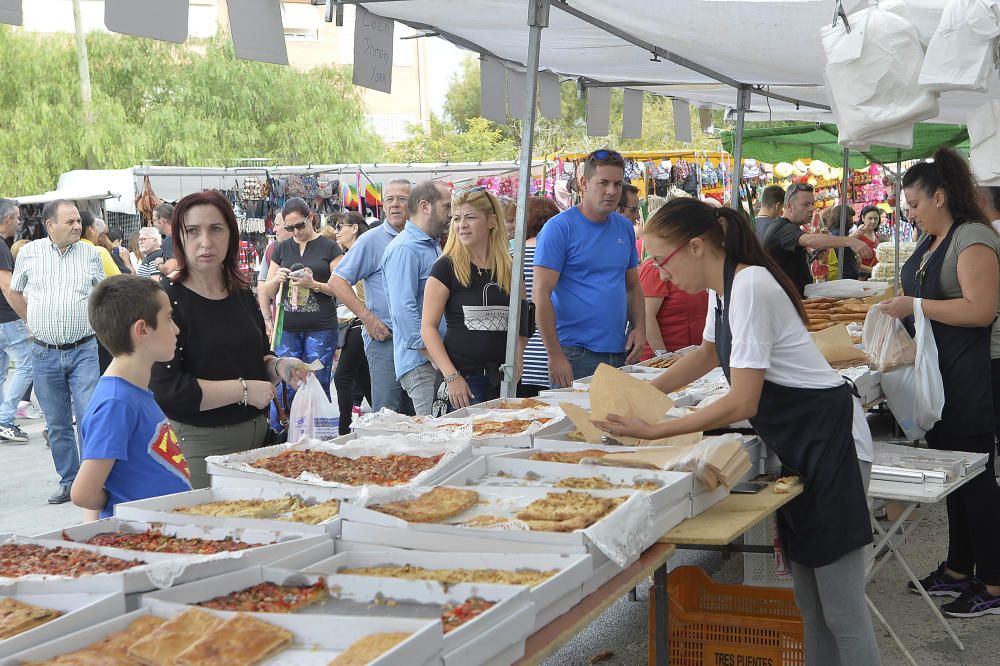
857 316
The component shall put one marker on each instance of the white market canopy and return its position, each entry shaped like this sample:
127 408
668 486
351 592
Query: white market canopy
773 47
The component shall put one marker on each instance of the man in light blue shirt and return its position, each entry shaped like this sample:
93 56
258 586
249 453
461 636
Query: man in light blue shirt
586 288
407 265
363 262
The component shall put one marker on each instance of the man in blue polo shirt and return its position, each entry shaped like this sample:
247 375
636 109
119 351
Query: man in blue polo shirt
407 265
586 288
364 262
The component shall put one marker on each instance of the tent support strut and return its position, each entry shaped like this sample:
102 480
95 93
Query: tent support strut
538 18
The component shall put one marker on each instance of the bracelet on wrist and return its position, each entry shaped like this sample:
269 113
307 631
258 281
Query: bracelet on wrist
660 352
452 377
244 401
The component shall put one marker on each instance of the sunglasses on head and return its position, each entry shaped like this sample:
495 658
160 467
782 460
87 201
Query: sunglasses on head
600 155
295 227
471 190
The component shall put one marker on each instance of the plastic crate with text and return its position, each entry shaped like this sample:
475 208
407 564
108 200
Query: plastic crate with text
713 624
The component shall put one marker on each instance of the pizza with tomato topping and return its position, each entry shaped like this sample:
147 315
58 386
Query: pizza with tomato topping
455 616
23 559
155 541
269 598
391 470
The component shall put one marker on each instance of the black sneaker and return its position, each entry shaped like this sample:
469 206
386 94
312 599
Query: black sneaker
940 584
11 433
974 603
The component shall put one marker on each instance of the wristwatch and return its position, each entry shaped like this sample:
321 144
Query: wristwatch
452 377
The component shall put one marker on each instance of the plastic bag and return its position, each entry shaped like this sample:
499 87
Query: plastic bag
313 414
886 341
915 394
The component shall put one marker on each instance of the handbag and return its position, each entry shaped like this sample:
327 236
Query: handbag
526 327
281 404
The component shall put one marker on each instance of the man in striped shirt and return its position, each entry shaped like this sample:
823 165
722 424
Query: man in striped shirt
149 245
52 281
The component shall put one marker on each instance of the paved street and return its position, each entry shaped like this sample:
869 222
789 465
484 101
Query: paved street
29 479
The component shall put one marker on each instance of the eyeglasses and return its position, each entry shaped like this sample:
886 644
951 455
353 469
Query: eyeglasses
295 227
345 225
662 265
794 188
627 209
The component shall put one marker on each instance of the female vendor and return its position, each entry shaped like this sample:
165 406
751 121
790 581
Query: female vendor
799 406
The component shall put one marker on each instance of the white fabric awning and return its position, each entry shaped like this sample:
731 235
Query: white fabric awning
774 45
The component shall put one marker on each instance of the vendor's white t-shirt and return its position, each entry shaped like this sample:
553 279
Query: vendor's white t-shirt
767 334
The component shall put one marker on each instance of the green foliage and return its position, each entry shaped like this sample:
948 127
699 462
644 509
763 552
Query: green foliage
481 140
187 105
569 131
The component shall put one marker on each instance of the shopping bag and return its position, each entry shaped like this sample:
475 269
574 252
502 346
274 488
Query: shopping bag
886 341
313 415
915 393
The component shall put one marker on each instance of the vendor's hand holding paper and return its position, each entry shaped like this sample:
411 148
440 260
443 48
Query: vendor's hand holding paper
636 403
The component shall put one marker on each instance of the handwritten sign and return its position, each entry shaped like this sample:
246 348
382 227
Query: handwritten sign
372 50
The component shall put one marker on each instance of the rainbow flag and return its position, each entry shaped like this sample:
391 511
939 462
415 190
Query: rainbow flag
373 195
348 196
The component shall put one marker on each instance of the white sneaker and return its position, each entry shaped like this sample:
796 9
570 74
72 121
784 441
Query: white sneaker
27 410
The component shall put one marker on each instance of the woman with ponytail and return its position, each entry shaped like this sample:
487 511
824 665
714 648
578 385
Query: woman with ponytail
755 329
955 272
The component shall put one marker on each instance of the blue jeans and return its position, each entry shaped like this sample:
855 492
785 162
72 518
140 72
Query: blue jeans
584 362
419 383
307 346
14 346
386 389
64 382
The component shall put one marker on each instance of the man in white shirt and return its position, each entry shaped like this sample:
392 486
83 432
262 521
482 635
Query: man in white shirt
50 288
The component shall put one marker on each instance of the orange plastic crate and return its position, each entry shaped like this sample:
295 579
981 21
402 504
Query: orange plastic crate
712 624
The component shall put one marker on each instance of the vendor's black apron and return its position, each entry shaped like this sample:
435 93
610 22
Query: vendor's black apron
810 431
963 352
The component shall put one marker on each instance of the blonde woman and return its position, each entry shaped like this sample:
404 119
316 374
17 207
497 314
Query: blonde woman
470 286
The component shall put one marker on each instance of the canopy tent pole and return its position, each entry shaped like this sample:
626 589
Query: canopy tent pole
843 208
538 18
742 104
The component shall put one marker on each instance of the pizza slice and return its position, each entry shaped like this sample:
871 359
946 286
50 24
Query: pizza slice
16 617
246 508
570 525
566 506
366 650
315 514
110 650
239 641
269 597
454 617
164 644
572 457
434 506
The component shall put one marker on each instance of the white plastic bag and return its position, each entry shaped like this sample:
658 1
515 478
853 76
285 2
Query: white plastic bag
886 341
313 414
915 393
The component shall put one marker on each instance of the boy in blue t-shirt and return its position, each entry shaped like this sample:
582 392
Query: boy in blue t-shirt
130 451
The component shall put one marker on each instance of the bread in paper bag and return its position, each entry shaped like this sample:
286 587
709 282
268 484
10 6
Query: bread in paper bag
836 346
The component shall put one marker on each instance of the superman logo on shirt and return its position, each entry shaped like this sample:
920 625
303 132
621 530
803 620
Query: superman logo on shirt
165 450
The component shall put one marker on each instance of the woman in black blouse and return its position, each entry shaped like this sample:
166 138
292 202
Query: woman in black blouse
470 286
221 380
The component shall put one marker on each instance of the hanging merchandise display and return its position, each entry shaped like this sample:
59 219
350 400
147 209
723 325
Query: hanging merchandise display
960 54
872 72
984 143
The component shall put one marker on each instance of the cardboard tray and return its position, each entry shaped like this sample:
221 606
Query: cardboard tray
551 598
167 569
520 441
363 524
366 596
314 643
82 602
457 452
161 509
675 487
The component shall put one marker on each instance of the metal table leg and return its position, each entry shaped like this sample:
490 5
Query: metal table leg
886 543
892 633
660 604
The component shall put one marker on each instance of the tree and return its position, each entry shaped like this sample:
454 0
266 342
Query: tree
187 105
443 143
569 132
